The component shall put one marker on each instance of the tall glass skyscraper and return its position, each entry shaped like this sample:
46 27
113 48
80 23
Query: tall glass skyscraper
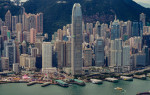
76 41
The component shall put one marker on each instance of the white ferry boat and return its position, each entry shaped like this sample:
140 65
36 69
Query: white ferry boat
96 81
126 78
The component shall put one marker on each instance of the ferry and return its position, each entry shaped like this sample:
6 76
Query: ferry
112 80
143 77
62 83
45 84
31 83
96 81
126 78
79 82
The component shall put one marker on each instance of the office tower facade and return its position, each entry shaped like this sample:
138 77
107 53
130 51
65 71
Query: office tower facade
126 58
34 52
23 60
135 29
16 67
24 47
32 35
116 53
5 63
98 28
39 23
61 53
10 51
68 54
14 22
8 19
115 30
143 18
99 52
19 32
30 63
87 57
4 30
46 55
129 28
39 46
76 41
26 36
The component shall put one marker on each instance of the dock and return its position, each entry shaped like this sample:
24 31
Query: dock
31 83
114 80
45 84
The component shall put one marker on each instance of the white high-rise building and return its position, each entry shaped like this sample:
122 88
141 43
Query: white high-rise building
76 41
116 52
46 55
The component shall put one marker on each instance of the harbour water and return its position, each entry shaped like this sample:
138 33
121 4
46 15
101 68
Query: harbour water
107 88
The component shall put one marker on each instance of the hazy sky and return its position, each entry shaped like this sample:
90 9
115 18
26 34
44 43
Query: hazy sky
144 1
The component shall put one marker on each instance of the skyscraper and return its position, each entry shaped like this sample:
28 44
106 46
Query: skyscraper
14 22
99 52
32 35
8 19
10 51
76 41
116 54
115 30
46 55
143 18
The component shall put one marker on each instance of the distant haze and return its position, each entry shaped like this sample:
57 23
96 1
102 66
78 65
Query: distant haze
145 3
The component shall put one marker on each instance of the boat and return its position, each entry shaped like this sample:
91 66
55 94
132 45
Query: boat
112 80
45 84
148 75
31 83
143 93
78 82
126 78
143 77
118 88
62 83
96 81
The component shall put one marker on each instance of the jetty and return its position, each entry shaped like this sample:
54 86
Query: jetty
31 83
45 84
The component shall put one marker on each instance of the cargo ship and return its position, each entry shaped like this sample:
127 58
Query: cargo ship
96 81
45 84
62 83
126 78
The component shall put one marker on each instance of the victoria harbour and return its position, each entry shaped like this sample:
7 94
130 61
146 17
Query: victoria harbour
107 88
